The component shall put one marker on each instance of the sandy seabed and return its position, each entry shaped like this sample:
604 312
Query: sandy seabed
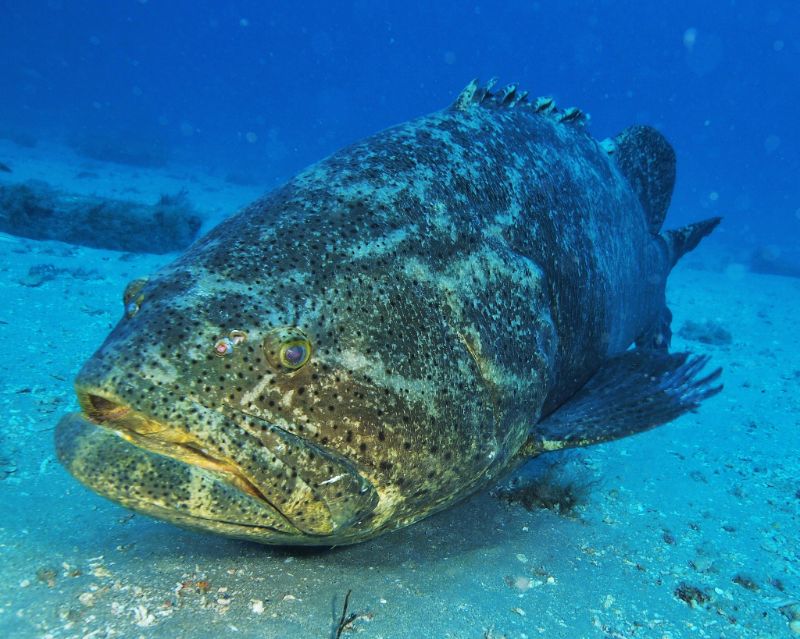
690 530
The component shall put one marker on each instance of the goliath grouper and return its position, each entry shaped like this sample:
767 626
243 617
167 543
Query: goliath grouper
394 328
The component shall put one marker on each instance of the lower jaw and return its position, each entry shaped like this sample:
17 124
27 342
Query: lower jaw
160 438
195 496
193 454
311 512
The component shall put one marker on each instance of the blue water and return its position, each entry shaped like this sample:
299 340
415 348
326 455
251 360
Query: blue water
230 99
719 78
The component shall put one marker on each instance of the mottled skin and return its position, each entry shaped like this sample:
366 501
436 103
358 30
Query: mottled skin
457 277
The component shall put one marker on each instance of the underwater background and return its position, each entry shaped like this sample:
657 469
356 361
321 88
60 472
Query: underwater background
690 530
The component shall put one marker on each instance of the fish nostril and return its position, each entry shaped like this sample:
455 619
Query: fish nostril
101 409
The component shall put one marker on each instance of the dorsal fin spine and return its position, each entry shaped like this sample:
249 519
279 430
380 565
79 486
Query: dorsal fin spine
522 96
544 105
507 95
467 96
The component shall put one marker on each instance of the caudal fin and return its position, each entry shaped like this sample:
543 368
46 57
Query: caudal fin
680 241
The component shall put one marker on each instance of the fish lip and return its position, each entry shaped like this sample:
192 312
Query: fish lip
101 407
105 405
281 533
106 410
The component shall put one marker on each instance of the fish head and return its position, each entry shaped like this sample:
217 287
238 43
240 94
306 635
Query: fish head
288 380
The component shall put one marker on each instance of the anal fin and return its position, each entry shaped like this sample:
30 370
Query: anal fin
631 393
659 335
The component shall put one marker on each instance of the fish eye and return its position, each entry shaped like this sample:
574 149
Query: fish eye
287 347
133 297
295 354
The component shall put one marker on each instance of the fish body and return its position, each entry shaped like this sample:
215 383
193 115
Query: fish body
394 328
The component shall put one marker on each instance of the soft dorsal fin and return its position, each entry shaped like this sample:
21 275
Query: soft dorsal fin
647 160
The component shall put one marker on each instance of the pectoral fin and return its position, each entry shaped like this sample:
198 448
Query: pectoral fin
633 392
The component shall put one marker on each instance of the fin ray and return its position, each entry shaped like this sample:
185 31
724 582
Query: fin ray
632 393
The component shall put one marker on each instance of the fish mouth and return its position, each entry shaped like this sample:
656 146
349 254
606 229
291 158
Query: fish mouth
162 439
219 470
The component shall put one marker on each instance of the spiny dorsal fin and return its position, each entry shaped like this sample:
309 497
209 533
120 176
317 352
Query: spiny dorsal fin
474 95
647 160
519 96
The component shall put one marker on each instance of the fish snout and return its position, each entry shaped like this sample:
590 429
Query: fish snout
100 399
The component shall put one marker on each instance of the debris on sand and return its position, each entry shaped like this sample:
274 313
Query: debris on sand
708 332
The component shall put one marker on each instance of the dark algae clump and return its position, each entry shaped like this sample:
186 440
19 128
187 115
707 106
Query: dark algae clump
692 595
36 210
549 489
